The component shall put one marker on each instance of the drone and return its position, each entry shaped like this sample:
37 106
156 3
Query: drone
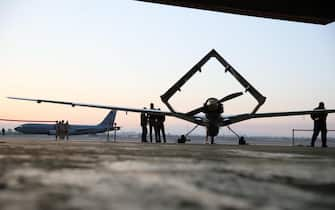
211 113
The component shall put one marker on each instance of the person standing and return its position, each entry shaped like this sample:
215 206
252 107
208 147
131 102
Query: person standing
144 124
61 130
57 130
161 129
156 128
3 131
320 124
151 122
66 130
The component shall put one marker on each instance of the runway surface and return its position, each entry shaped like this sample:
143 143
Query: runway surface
44 174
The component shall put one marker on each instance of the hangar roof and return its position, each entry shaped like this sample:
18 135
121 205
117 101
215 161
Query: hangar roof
310 11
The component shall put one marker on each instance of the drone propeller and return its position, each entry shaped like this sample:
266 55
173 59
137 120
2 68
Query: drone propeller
226 98
196 111
229 97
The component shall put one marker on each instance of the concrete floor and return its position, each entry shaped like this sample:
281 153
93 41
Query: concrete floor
44 174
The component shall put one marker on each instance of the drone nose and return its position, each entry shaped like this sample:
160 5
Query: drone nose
18 128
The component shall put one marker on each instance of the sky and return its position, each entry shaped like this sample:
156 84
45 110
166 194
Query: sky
128 53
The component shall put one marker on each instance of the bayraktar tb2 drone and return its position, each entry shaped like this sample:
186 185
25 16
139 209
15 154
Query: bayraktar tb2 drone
212 117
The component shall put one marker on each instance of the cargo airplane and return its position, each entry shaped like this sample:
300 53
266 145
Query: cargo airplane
50 129
212 116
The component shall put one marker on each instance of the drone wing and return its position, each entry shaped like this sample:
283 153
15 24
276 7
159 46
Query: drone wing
241 117
193 119
73 104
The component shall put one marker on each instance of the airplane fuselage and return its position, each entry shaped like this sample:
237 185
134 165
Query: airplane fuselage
50 129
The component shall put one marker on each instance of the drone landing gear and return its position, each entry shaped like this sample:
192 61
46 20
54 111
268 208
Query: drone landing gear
212 139
241 140
183 138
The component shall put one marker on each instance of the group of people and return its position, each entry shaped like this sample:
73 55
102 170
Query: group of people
62 130
156 125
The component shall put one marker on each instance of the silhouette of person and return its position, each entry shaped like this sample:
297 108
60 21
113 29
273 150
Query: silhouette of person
320 124
66 129
57 130
3 131
62 130
156 128
144 124
161 129
152 119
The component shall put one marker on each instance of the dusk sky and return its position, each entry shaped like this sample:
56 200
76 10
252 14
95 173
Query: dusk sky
128 53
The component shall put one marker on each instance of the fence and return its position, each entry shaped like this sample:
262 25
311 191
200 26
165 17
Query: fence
302 130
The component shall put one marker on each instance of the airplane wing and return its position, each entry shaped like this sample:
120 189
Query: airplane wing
196 120
241 117
74 104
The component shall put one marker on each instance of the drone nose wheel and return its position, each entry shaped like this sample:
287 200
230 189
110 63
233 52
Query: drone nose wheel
241 141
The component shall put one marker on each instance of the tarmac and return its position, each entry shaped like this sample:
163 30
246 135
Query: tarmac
44 174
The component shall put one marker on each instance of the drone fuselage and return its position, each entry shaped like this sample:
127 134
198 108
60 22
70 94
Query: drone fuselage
213 110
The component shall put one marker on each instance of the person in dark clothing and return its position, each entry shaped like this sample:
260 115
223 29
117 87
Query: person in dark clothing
62 130
3 131
156 128
161 129
151 122
57 130
144 124
320 124
66 130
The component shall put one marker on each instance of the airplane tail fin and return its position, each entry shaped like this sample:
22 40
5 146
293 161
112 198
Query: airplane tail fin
109 119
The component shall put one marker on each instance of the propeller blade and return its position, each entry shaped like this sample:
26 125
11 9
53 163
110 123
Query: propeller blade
229 97
226 98
196 111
